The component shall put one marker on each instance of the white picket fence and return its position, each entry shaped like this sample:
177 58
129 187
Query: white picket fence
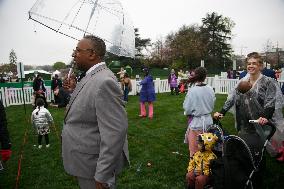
15 96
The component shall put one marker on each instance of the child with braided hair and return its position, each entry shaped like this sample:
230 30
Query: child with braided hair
41 120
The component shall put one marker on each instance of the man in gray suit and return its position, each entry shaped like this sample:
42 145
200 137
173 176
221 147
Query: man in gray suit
94 136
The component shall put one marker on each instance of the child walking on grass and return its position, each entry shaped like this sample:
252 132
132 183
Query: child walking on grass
41 120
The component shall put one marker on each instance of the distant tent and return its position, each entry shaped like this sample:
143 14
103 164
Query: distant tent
115 66
56 72
129 70
30 75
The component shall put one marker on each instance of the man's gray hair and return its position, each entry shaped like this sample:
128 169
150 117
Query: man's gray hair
98 45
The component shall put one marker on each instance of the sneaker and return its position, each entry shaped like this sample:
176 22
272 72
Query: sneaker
47 146
39 146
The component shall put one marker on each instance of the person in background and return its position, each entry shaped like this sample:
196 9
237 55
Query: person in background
181 74
172 80
94 135
5 142
38 85
39 89
229 74
62 96
2 80
181 86
282 89
41 120
121 73
198 104
269 73
55 82
278 73
187 74
126 86
147 94
243 74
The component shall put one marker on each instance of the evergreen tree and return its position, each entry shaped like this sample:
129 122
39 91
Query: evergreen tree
140 43
217 33
13 57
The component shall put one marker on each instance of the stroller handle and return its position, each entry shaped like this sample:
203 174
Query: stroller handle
273 130
269 123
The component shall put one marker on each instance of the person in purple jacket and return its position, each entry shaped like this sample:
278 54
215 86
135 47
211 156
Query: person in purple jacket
172 80
147 94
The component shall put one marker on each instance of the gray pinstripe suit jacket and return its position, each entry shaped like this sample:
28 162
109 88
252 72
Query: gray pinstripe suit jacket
94 136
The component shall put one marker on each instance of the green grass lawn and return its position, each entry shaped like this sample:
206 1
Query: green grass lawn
150 141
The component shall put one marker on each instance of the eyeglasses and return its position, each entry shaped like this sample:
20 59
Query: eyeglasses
78 50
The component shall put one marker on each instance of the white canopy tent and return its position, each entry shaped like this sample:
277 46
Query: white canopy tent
56 72
30 74
37 71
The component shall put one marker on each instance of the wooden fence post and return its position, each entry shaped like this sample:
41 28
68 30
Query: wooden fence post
216 84
134 87
5 97
2 96
157 83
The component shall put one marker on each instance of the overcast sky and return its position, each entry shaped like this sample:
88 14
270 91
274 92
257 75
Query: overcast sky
256 22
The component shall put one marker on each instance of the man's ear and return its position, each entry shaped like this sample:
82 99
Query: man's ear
93 56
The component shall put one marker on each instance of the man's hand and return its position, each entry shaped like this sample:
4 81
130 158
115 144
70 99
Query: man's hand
69 84
100 185
218 115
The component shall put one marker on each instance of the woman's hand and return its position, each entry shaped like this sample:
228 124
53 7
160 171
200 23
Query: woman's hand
218 115
262 121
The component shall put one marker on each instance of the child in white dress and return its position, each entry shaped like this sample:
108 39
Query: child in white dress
41 120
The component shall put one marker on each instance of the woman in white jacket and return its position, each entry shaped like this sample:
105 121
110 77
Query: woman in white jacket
41 119
198 104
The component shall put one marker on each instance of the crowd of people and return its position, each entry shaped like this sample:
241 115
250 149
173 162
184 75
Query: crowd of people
255 97
94 135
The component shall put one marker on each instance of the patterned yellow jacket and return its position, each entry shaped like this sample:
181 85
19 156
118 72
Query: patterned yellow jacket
200 162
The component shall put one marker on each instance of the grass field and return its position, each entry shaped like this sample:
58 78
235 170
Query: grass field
151 141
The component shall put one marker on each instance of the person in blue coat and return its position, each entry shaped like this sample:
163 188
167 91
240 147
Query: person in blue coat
243 74
147 94
269 73
282 89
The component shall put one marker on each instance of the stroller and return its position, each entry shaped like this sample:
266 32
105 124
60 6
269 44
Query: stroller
242 162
